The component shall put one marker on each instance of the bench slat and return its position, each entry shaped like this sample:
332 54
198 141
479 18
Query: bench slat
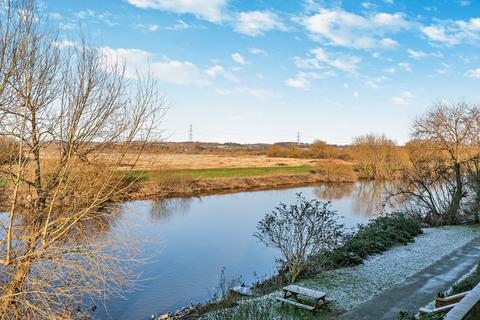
295 303
437 310
314 294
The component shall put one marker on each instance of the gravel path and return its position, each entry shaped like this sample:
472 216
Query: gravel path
351 286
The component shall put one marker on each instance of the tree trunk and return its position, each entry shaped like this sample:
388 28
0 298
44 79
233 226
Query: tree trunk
14 288
454 207
476 206
16 283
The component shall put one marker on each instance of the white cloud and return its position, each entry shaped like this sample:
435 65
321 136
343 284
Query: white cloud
238 58
391 70
347 64
347 29
368 5
318 58
389 43
182 25
256 23
299 82
210 10
407 94
416 54
183 73
254 92
444 69
403 100
473 73
405 66
64 44
153 27
147 27
83 14
67 26
450 33
258 51
439 34
400 102
374 83
218 70
306 63
106 17
55 16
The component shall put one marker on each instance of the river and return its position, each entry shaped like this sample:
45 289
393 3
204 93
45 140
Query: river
189 242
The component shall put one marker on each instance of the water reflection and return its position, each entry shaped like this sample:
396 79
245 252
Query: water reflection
367 197
165 209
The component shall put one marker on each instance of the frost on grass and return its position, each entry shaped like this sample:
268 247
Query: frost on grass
351 286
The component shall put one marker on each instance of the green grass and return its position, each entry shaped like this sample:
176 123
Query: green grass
242 172
3 182
217 173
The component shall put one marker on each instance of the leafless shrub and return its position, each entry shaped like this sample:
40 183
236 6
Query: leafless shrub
300 230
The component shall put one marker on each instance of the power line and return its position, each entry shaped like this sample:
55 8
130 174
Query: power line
298 138
190 133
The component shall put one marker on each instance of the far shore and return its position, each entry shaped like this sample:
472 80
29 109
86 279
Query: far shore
161 176
204 187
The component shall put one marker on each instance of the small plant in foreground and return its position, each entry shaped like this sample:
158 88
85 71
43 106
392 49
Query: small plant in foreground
300 230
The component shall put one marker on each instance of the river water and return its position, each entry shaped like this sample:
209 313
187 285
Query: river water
190 241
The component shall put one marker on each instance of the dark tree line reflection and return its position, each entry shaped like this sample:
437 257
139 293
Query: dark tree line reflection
368 197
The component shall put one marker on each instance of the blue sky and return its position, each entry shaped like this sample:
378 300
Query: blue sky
263 70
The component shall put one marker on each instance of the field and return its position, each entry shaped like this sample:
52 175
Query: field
219 173
155 161
157 175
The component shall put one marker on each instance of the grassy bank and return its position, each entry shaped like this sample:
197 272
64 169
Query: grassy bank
156 175
374 275
374 238
157 184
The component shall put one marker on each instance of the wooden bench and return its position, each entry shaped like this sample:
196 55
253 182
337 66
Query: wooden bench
295 303
445 301
424 312
292 294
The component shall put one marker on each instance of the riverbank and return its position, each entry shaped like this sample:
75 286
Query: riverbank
350 287
149 190
187 182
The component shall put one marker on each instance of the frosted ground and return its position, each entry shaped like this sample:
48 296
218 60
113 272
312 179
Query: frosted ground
350 287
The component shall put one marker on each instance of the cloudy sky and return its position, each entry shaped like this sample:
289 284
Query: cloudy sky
263 70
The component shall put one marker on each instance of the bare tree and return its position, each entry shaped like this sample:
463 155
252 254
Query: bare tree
299 231
453 129
426 187
62 109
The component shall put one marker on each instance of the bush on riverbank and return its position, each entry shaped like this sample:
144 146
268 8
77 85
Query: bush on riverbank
376 237
334 169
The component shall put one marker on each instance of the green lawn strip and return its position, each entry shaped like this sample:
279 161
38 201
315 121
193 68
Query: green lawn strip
242 172
216 173
3 182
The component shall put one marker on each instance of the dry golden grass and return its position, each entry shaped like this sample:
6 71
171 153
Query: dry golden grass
202 161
